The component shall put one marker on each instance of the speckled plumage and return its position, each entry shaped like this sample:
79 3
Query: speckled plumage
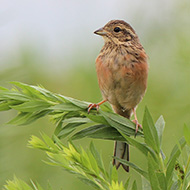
122 72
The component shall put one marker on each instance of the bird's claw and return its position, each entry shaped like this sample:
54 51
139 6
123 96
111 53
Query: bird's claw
93 106
137 126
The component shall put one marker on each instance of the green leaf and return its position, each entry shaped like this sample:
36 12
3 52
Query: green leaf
176 185
17 184
4 106
136 168
188 188
37 186
32 106
186 132
20 119
93 163
66 130
118 122
98 158
152 170
145 184
127 183
172 160
37 92
162 180
160 124
3 88
97 118
114 174
150 132
134 187
49 142
13 95
99 132
29 90
77 120
140 146
78 103
36 142
27 118
177 149
119 119
65 107
35 116
90 182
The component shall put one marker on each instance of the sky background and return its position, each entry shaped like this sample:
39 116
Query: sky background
58 29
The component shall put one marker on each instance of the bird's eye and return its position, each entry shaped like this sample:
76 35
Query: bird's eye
117 29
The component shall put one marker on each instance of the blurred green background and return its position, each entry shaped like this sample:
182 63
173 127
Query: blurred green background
52 43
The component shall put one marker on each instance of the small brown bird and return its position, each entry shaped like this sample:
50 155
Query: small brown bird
122 72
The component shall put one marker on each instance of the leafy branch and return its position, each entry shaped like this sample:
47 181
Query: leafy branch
34 102
88 165
68 114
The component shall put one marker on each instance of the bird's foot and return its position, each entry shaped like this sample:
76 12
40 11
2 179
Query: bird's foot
93 106
137 126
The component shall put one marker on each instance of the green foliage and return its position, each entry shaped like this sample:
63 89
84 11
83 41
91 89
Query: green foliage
21 185
68 114
34 102
87 165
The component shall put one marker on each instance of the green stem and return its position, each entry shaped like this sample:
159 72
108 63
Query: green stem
185 171
162 164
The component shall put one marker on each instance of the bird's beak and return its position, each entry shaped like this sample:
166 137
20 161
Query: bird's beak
100 32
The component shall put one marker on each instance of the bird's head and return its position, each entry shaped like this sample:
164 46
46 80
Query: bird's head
118 32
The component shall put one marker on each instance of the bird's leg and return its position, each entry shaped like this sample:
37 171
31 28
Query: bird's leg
95 105
136 122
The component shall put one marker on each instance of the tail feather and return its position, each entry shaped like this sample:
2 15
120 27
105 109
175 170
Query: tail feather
121 150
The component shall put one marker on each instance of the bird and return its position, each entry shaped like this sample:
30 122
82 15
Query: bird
122 72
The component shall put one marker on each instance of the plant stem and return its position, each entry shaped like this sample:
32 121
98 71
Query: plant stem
162 164
186 169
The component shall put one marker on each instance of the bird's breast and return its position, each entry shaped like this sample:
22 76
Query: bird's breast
122 78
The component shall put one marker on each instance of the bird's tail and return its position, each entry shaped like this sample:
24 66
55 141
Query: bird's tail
121 149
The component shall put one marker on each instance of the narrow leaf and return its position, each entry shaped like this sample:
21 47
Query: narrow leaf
152 169
134 187
127 183
13 95
78 103
145 184
99 132
32 106
20 119
150 132
176 185
113 118
172 160
4 106
90 182
120 125
114 174
162 180
186 132
160 124
66 129
17 184
65 107
97 118
140 146
77 120
136 168
97 156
